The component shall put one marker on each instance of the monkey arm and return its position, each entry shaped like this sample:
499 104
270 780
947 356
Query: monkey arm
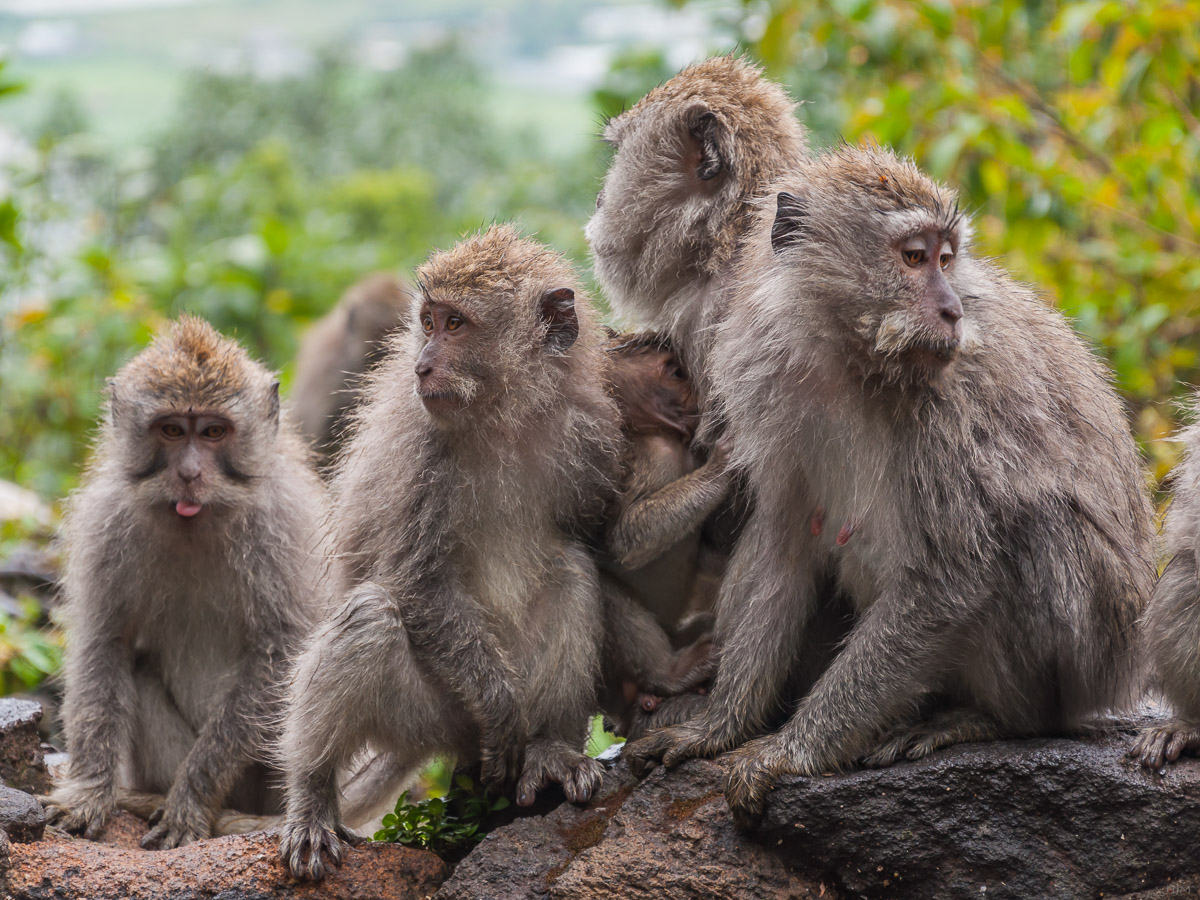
232 738
652 524
98 711
893 656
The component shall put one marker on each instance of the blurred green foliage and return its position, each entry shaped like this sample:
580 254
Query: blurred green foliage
1072 131
256 206
449 825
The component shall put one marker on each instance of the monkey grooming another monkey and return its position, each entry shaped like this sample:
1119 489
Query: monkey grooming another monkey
337 352
486 445
998 550
193 554
692 157
662 571
1170 627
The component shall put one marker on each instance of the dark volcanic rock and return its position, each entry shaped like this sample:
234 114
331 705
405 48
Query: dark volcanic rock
1021 819
21 762
244 867
1038 818
670 836
21 815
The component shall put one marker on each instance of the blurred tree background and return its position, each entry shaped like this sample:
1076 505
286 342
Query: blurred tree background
1071 129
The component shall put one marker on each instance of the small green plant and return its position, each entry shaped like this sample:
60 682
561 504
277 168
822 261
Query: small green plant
446 825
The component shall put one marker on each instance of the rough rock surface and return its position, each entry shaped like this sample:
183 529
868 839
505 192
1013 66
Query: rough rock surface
244 867
670 836
1038 818
21 815
21 762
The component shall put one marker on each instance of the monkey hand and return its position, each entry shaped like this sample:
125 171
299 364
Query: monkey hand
722 452
1155 747
182 820
304 847
81 809
549 761
661 712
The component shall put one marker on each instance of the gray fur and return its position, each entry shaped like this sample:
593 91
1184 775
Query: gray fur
472 622
1171 624
999 546
337 352
178 631
667 226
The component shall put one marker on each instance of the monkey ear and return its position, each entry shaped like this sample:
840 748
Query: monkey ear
557 311
790 214
710 136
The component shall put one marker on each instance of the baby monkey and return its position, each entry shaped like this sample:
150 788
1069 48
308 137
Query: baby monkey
662 577
193 554
472 623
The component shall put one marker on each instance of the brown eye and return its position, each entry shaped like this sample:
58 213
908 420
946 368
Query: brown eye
214 432
945 259
427 323
453 323
172 431
914 257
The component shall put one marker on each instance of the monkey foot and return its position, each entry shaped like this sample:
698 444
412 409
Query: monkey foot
756 766
920 740
167 834
554 761
1155 747
303 847
78 813
671 746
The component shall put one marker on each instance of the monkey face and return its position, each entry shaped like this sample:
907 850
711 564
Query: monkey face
474 348
448 374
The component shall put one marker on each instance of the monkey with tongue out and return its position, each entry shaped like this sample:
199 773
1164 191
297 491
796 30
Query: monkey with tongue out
195 565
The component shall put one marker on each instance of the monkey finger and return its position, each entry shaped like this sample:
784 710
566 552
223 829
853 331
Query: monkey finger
584 779
1175 746
156 816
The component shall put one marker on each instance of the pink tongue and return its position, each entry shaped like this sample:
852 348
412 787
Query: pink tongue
187 509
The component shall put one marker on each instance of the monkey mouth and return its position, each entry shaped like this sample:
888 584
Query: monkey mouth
441 402
188 508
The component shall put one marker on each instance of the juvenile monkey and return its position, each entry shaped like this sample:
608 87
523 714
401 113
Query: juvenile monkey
999 548
1170 627
193 557
661 569
337 352
691 159
472 625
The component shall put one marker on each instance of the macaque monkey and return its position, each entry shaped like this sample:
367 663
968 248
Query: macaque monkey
485 449
193 559
986 509
1170 627
337 352
692 157
659 639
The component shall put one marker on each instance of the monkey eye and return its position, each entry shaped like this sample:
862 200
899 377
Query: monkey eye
213 432
172 431
453 323
427 323
913 257
945 260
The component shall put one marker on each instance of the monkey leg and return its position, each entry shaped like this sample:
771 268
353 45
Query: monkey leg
1162 744
560 676
161 739
892 658
916 741
355 684
766 600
